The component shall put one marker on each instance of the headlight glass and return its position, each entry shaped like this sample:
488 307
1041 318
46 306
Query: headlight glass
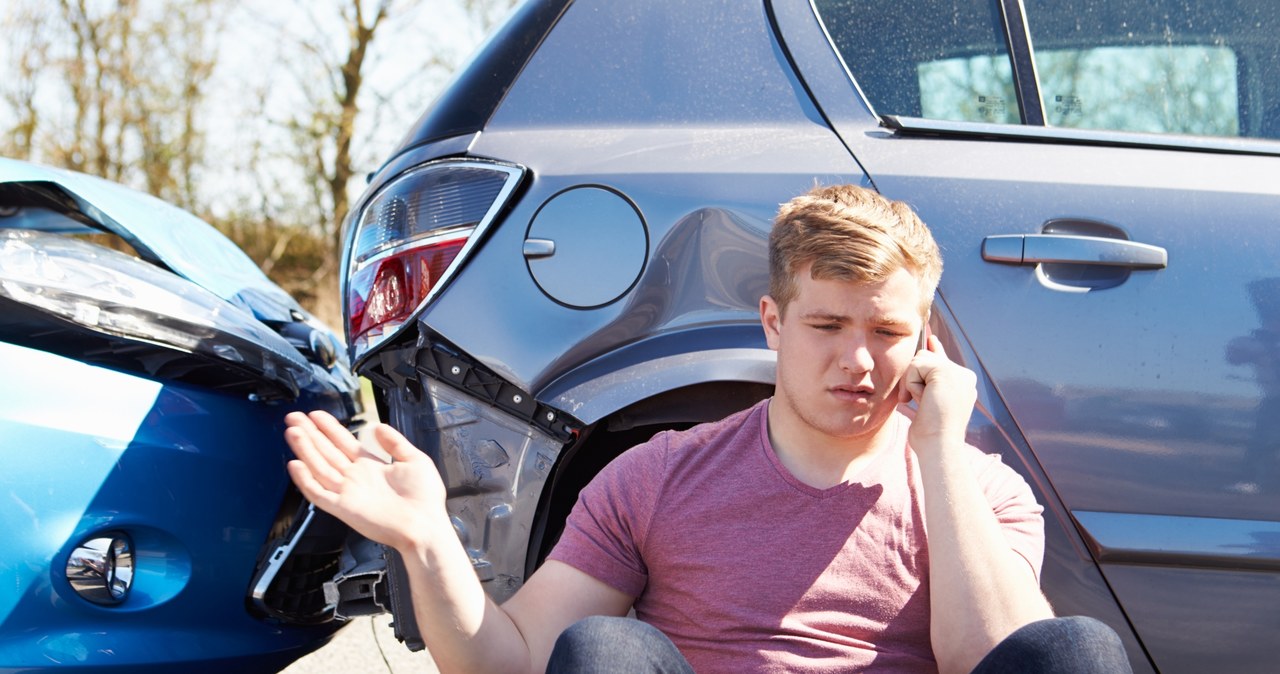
107 292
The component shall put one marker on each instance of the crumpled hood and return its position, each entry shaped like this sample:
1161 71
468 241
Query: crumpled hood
191 306
161 233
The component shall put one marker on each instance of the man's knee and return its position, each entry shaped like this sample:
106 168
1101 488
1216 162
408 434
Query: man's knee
589 632
1071 644
608 644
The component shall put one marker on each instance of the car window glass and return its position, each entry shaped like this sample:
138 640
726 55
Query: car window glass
1159 89
1154 66
1163 66
943 60
968 89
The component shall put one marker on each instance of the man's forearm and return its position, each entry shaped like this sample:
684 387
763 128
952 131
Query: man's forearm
464 630
980 590
401 503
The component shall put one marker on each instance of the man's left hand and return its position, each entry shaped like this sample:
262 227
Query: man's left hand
944 392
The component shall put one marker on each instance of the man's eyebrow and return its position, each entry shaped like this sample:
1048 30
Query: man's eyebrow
825 316
821 316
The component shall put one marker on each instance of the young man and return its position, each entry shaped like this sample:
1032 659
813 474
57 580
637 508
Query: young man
829 528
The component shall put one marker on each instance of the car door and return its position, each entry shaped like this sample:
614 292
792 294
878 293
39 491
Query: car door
1108 213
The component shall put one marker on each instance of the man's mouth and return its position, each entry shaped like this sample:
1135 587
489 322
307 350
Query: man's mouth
853 392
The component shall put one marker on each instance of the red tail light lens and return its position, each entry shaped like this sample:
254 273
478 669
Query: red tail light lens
399 283
412 237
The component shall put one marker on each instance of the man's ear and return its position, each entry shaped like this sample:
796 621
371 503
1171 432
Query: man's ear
771 320
925 331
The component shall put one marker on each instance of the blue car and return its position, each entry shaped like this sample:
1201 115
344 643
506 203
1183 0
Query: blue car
143 494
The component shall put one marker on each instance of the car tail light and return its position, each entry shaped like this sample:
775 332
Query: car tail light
412 237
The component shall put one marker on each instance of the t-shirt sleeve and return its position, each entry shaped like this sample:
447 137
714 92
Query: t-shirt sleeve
605 532
1015 507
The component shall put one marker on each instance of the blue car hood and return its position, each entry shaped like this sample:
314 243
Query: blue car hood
162 234
267 344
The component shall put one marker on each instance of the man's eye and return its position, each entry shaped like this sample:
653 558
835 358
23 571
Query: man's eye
827 327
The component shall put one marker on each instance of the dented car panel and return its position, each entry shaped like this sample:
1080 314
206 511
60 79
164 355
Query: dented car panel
142 417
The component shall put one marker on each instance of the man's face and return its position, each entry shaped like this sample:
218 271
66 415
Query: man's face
842 347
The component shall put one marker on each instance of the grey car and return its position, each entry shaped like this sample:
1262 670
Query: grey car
566 254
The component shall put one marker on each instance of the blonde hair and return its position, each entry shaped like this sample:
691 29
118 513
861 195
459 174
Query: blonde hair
850 233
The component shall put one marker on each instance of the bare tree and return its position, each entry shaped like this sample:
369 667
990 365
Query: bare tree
352 78
28 47
87 69
169 125
125 89
326 130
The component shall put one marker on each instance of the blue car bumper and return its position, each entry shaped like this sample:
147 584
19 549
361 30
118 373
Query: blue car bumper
193 477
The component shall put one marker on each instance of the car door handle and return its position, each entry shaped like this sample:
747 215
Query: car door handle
1072 249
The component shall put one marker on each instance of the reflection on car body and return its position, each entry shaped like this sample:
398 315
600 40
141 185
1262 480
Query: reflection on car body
1100 177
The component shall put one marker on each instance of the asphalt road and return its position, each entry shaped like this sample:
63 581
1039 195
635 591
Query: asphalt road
364 646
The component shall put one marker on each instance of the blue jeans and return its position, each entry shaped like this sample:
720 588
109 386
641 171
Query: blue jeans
1075 645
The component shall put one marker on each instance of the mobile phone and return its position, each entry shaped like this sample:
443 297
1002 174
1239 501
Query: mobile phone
924 335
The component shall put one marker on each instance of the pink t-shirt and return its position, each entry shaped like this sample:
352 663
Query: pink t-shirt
747 569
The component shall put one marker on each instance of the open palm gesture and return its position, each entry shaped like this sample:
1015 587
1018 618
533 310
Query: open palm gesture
395 503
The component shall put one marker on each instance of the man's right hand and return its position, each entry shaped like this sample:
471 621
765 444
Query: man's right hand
400 504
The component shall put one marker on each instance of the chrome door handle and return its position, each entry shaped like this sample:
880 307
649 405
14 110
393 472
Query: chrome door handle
1072 249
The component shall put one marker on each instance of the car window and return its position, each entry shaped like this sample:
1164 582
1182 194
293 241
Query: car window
1162 66
1153 88
968 89
943 60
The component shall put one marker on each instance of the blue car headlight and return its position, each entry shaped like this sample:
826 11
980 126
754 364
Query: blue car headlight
177 328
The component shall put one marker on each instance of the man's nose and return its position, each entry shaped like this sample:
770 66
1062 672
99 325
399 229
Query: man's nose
856 357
